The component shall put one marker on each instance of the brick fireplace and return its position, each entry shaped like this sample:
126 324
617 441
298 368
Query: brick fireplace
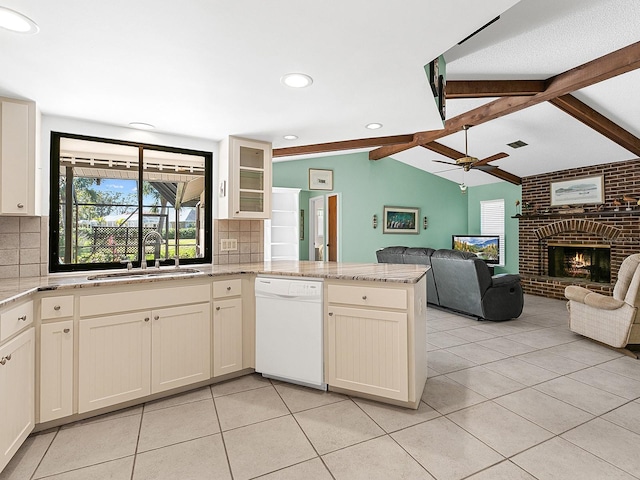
542 229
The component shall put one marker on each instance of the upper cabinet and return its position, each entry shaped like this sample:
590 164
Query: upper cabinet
244 179
19 175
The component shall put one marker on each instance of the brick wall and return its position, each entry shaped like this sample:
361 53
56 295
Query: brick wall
620 230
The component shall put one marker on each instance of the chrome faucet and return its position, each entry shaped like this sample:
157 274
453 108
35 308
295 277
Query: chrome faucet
152 233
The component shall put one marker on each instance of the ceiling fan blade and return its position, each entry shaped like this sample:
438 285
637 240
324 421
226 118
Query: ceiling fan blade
484 168
497 156
442 161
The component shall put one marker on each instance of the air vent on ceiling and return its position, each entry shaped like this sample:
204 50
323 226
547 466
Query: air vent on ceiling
517 144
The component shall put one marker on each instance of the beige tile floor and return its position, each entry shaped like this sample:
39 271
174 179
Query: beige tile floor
517 400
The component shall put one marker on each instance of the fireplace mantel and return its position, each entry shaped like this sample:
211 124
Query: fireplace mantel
603 214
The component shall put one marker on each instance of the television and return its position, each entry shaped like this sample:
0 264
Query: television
485 247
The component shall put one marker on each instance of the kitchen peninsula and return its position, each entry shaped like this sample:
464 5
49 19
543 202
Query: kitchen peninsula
78 347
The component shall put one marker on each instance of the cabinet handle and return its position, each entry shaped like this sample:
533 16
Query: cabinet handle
56 308
331 314
228 289
157 317
3 360
20 205
66 330
8 357
364 297
217 308
146 319
23 318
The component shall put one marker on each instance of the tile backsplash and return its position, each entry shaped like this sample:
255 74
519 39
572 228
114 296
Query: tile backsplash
23 246
250 237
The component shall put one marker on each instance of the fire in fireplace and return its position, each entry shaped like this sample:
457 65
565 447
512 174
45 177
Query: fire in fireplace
591 263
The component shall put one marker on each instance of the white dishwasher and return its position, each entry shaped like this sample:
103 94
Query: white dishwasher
289 339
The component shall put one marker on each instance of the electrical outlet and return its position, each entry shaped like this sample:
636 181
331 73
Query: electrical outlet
228 244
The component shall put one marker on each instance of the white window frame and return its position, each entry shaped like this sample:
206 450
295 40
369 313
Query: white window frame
492 222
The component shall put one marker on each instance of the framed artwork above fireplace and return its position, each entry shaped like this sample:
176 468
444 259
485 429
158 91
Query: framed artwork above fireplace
578 191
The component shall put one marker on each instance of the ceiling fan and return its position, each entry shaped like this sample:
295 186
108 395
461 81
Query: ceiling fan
465 161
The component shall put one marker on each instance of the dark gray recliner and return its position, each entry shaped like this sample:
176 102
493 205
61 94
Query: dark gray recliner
465 284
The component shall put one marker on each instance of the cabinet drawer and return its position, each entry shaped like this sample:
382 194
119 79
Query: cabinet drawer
367 296
227 288
15 319
57 307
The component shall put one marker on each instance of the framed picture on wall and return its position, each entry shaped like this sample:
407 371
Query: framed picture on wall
400 220
320 179
578 191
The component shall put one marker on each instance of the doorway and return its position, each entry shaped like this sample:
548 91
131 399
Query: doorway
323 228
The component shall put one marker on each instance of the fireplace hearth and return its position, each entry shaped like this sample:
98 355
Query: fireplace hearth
591 263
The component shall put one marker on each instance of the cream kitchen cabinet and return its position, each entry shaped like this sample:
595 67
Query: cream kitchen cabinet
17 391
19 172
56 370
128 356
114 359
244 179
180 346
376 340
140 341
227 327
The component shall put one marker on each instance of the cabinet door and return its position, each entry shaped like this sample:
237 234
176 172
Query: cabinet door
227 336
181 346
16 159
251 193
368 351
56 370
17 379
114 360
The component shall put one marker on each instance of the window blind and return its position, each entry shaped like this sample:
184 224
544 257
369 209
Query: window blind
492 221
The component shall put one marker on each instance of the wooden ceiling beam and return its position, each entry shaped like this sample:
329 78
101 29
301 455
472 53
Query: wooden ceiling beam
493 88
343 145
506 176
608 66
601 124
443 150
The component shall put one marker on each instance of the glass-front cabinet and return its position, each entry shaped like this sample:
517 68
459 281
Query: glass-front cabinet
244 179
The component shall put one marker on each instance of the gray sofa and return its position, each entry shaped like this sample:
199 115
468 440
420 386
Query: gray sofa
462 282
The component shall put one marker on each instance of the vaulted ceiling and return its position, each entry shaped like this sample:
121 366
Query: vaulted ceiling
211 69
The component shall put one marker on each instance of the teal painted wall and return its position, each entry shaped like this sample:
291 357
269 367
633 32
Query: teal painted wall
494 191
365 187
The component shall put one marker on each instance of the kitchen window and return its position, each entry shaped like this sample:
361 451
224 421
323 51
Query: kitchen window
108 197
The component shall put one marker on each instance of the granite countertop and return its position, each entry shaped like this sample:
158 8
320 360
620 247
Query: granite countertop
12 290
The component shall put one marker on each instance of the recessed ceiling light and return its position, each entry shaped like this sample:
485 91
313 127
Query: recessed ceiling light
141 126
290 137
374 126
17 22
296 80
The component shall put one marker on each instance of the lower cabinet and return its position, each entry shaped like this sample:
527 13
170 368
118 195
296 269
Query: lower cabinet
368 351
17 393
128 356
227 336
114 360
56 370
180 346
376 339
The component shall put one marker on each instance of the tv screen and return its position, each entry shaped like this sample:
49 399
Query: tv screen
486 247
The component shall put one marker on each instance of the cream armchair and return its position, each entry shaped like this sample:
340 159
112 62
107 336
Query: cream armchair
615 320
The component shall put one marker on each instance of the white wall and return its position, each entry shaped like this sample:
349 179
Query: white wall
52 123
